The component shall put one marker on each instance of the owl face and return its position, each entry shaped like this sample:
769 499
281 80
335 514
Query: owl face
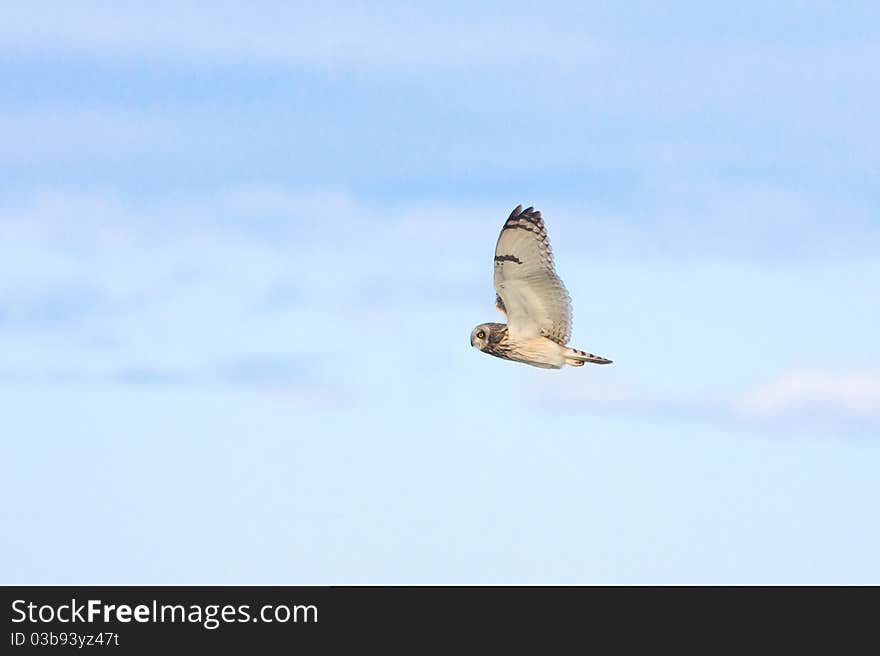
480 337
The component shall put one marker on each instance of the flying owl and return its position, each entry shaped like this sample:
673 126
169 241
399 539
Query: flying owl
532 298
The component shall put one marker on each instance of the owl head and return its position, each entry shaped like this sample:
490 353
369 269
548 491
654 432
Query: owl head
480 336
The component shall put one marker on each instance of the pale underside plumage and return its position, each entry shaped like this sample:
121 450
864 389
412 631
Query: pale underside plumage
532 297
529 292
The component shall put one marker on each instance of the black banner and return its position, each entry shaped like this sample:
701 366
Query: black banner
155 619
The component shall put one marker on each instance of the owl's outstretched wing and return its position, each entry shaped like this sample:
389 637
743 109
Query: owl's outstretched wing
529 291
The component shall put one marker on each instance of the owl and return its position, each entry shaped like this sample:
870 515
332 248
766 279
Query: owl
532 298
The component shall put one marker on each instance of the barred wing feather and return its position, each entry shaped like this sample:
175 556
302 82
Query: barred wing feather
530 293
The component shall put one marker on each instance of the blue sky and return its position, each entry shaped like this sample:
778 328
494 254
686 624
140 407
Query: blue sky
242 252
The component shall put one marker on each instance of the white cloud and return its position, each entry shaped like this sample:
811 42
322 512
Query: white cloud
186 279
285 34
821 401
695 220
417 39
158 275
847 394
324 225
41 131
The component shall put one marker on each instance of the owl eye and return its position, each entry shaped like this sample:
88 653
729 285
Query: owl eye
481 334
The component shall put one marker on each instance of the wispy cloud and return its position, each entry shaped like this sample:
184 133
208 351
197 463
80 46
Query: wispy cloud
825 402
37 134
99 217
854 395
344 36
200 278
56 306
296 379
401 36
698 218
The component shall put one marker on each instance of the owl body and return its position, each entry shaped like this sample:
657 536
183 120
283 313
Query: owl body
536 351
532 297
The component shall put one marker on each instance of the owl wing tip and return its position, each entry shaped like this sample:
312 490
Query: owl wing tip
528 213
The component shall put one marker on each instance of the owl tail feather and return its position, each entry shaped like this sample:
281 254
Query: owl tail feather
577 358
